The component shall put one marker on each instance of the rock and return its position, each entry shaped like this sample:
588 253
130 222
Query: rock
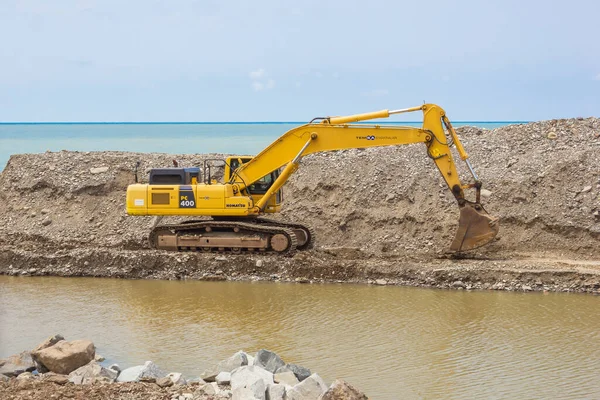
243 393
98 170
47 221
164 382
177 378
237 360
4 378
268 360
252 378
259 263
275 392
586 189
90 372
211 389
65 357
224 378
341 390
115 367
25 376
552 135
139 372
99 358
486 193
286 378
300 372
309 389
526 288
17 364
458 284
55 378
45 211
381 282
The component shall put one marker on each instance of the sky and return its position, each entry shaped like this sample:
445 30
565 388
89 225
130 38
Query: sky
277 60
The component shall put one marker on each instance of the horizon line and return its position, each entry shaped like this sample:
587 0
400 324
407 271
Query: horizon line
224 122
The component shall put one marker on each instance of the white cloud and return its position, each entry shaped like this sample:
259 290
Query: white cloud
597 77
319 74
335 75
258 74
377 93
298 84
260 80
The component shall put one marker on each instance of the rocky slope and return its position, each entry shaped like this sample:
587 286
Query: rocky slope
380 213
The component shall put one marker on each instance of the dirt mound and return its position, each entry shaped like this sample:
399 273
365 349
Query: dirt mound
374 204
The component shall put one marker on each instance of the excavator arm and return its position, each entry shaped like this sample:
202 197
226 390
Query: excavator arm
476 226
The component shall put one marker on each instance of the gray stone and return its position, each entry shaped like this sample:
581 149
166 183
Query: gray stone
253 378
98 170
243 393
458 284
268 360
92 370
341 390
47 221
300 372
18 364
55 378
237 360
309 389
99 358
275 392
65 357
140 372
210 389
164 382
115 367
224 378
286 378
381 282
486 193
25 376
586 189
4 378
177 378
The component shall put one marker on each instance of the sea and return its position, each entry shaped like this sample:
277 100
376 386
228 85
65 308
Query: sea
247 138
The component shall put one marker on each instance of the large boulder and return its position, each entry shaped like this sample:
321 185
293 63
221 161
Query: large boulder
239 359
65 357
309 389
300 372
252 379
342 390
147 371
17 364
49 342
268 360
92 372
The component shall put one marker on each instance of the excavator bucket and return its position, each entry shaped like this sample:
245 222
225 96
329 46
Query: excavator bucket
476 228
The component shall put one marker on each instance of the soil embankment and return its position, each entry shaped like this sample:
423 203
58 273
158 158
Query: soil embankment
381 215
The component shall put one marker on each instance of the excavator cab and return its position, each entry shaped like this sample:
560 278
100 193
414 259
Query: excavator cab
259 188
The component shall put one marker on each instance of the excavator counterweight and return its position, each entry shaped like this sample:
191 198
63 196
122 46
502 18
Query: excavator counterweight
252 186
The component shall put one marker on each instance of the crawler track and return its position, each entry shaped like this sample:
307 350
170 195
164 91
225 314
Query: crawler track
230 236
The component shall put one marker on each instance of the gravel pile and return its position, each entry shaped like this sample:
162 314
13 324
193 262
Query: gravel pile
387 206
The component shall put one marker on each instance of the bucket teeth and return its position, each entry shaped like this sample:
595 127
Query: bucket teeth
476 228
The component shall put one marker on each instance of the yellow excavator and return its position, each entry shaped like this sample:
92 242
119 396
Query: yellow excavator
252 186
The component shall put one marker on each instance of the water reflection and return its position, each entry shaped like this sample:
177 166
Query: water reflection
391 342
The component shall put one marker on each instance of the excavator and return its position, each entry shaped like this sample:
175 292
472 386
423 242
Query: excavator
234 210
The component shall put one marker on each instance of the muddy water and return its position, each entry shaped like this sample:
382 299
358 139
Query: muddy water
391 342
